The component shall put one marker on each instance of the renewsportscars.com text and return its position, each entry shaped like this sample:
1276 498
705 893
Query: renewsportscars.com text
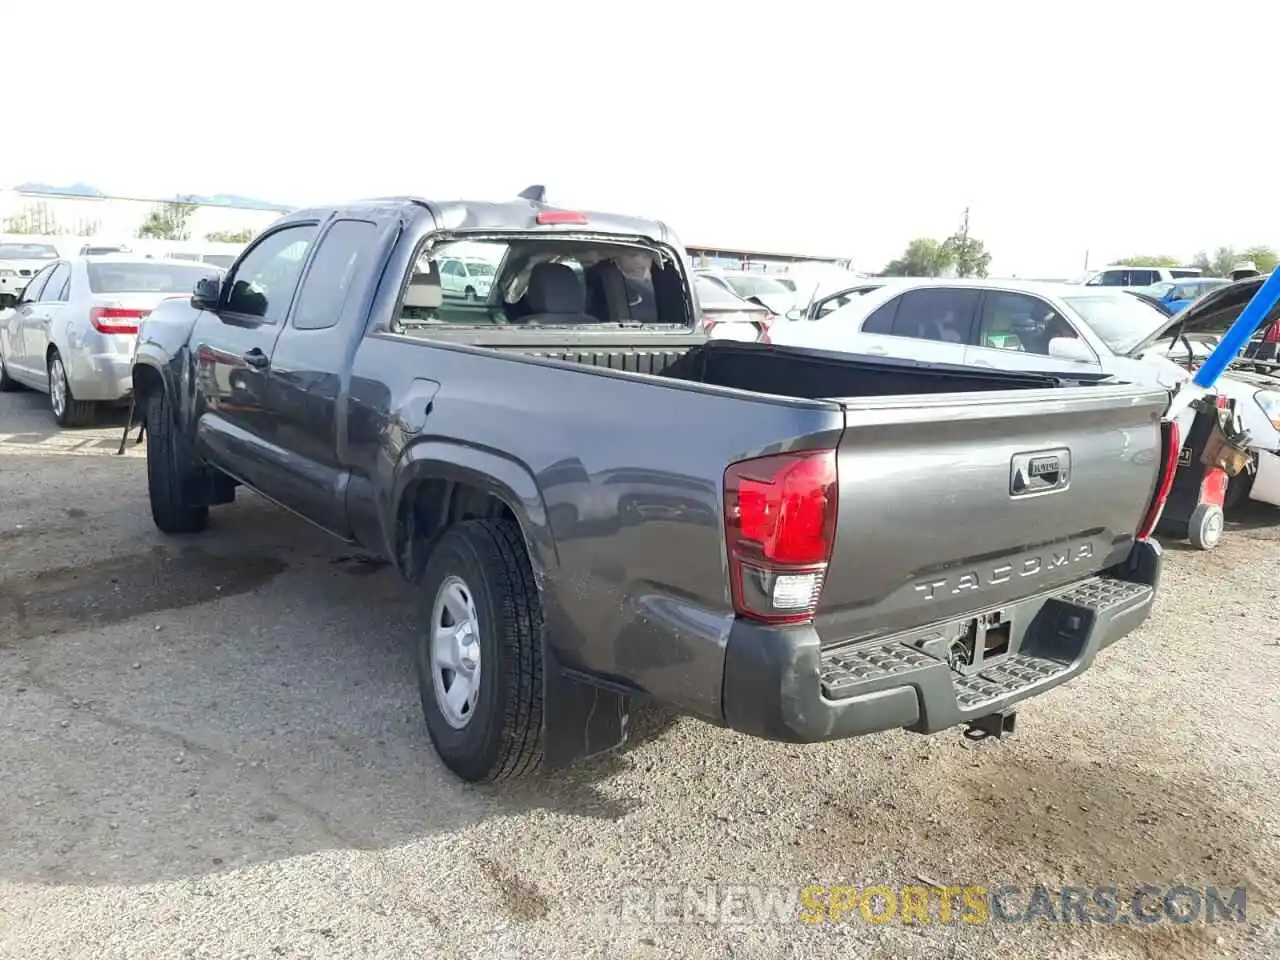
969 904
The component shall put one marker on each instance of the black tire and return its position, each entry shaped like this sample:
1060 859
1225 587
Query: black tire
73 412
7 383
501 736
1205 527
167 469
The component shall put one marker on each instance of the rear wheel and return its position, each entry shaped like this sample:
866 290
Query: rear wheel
479 652
167 470
67 410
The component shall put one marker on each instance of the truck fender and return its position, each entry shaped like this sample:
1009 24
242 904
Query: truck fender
502 477
580 718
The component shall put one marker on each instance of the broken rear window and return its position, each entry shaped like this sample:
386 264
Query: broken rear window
544 282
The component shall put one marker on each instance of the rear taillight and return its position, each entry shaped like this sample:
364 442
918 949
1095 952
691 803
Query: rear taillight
116 319
780 525
1171 437
1273 333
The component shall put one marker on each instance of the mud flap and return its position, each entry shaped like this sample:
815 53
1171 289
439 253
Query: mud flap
579 719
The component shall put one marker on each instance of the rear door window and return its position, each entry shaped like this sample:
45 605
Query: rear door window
881 319
333 272
944 314
56 288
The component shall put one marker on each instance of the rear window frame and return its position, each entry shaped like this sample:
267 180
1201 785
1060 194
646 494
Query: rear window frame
516 334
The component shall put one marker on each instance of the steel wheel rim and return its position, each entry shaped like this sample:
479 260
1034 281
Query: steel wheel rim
57 386
455 652
1213 529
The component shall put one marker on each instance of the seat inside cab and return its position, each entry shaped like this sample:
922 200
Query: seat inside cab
549 281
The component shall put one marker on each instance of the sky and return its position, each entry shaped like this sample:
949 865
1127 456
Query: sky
1068 129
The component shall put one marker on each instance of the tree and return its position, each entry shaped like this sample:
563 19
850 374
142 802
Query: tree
1217 265
1149 261
35 219
230 236
924 257
1263 257
968 254
168 220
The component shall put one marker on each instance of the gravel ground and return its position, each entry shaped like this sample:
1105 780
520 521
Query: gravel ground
212 747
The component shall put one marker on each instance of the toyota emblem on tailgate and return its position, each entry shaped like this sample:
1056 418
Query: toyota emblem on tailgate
1042 471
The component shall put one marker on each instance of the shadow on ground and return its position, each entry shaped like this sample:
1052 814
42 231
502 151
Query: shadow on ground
235 698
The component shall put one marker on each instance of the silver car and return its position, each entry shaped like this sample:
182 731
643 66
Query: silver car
72 333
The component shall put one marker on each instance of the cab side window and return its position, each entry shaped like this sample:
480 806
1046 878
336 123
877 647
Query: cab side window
327 289
264 282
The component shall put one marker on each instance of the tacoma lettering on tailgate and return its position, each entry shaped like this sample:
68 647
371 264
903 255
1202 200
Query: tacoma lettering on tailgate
979 578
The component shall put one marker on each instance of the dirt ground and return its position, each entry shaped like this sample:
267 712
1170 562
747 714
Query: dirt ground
212 747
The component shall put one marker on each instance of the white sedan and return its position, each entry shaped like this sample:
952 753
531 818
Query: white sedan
1066 329
73 331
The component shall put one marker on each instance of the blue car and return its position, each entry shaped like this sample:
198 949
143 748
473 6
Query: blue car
1176 294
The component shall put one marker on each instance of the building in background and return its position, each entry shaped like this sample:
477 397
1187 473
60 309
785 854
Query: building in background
728 258
72 217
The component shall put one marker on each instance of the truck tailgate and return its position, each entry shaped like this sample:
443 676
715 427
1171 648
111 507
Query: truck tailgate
953 504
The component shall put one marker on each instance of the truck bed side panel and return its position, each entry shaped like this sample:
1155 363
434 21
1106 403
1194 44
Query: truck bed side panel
630 471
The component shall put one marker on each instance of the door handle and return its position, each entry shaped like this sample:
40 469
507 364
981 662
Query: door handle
880 350
257 359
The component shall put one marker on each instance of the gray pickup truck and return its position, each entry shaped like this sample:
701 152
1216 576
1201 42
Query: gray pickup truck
597 503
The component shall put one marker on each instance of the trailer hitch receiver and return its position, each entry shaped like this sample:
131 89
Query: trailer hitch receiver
997 725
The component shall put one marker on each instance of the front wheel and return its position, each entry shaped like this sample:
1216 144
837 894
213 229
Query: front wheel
66 409
167 469
479 652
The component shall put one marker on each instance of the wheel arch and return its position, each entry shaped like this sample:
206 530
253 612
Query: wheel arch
439 483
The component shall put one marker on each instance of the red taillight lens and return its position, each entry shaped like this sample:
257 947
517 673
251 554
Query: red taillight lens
1171 435
116 319
552 217
1273 333
780 524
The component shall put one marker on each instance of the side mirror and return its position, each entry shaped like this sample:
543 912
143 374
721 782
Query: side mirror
1070 348
207 293
795 313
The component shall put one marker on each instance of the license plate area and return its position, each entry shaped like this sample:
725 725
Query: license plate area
970 646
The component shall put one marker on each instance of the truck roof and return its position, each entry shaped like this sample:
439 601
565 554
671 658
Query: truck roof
485 216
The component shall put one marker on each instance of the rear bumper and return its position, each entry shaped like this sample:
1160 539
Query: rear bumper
99 369
779 684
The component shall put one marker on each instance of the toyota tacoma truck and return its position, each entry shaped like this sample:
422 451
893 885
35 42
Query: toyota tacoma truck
596 503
